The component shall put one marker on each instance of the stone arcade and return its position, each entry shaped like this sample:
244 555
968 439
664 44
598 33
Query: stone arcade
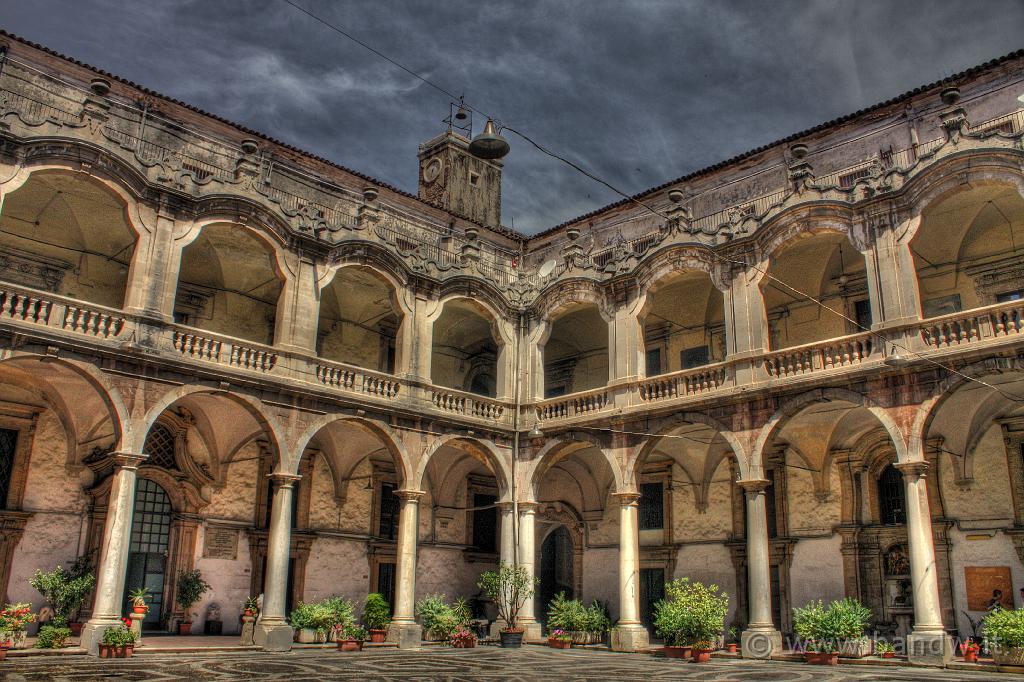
220 352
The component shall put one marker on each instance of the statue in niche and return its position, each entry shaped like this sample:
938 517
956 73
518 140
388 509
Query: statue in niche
896 561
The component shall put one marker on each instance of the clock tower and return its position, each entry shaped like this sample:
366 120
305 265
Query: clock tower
454 179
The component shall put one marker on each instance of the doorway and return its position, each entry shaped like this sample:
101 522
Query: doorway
147 552
652 590
556 570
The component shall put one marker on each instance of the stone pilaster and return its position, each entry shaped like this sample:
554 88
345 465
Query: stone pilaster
272 630
113 560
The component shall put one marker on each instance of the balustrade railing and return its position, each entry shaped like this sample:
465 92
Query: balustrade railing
845 351
457 402
574 405
687 382
357 380
971 326
200 345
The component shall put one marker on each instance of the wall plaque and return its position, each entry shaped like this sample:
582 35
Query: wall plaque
982 580
221 542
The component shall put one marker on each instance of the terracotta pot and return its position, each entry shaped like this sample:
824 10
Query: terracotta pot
889 654
248 612
678 651
702 655
822 657
511 639
970 657
3 654
731 648
139 609
378 636
76 629
185 628
560 643
350 645
128 651
468 644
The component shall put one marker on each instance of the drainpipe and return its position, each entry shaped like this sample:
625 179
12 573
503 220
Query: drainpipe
515 437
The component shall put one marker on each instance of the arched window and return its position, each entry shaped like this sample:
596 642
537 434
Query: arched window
892 502
160 446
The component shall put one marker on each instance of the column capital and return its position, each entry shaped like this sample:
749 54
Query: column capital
754 485
506 506
128 460
912 470
410 495
283 480
630 498
528 507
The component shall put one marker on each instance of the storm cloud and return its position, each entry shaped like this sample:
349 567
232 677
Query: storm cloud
637 92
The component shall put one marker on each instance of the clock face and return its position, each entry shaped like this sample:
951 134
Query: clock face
432 170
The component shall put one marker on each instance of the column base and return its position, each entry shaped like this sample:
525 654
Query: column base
495 630
531 631
760 643
630 638
274 636
92 634
929 648
406 635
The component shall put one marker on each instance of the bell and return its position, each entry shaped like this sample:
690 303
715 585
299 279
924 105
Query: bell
461 115
489 144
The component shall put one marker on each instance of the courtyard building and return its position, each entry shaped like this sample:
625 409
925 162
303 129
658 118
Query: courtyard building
798 374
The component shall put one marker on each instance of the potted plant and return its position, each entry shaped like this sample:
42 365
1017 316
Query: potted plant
52 637
692 616
138 597
191 588
118 642
14 620
439 618
313 621
1005 633
811 626
462 638
5 645
734 639
377 616
885 649
251 606
848 620
65 591
969 650
559 639
509 587
583 624
352 638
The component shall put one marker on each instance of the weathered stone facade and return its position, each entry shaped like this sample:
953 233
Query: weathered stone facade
290 353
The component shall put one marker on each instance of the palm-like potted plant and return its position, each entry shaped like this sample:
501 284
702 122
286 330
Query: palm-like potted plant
251 606
377 616
138 597
191 588
509 587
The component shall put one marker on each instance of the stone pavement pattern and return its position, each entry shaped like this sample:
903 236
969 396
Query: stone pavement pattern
488 663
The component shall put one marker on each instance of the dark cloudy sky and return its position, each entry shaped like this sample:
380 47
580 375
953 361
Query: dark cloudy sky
638 92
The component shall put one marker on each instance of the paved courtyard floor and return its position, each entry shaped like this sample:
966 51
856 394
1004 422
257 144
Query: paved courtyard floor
486 663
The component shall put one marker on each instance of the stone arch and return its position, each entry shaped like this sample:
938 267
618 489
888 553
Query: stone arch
479 449
569 292
389 439
51 372
560 448
785 230
251 405
939 181
671 259
794 406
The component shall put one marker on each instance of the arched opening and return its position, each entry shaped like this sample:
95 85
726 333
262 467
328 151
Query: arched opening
67 235
465 348
557 570
576 351
683 323
968 248
346 510
229 283
826 267
974 443
576 532
463 481
358 320
148 549
687 519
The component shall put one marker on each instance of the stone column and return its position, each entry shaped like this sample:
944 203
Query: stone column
298 308
746 323
928 643
153 271
625 344
272 630
414 339
117 535
527 556
404 629
760 639
629 634
506 512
